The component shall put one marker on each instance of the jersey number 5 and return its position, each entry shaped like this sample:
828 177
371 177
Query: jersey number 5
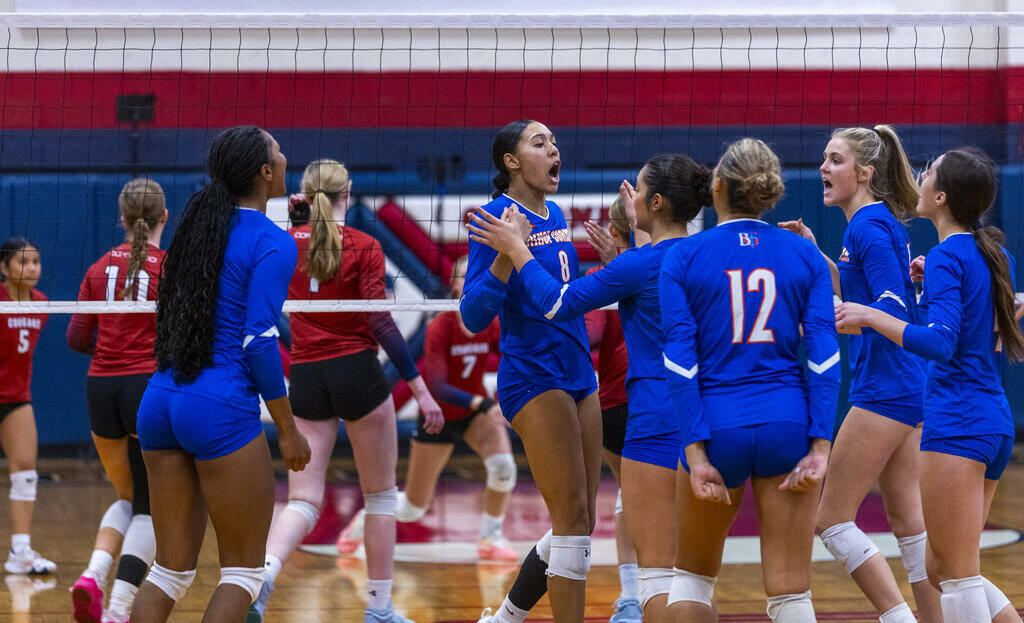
758 279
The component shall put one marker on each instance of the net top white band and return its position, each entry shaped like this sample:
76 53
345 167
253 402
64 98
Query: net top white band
510 20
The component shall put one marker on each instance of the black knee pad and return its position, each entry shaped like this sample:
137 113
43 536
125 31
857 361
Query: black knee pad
140 479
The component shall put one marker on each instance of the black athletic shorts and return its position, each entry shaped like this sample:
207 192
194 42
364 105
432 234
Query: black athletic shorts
613 423
114 403
7 407
346 387
451 433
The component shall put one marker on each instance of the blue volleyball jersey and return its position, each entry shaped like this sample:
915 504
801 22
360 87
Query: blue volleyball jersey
534 349
874 270
259 261
632 279
964 390
733 301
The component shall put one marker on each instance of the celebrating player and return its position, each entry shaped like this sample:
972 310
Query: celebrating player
866 174
968 427
224 282
671 189
19 269
746 408
335 376
121 346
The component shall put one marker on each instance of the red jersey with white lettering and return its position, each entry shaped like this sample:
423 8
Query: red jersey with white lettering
18 336
124 342
452 354
320 336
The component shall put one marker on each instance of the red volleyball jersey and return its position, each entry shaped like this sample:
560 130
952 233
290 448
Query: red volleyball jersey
124 342
18 336
319 336
453 354
612 360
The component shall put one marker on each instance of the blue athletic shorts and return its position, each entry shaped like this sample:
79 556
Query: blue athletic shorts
992 450
660 450
205 428
762 450
908 412
515 396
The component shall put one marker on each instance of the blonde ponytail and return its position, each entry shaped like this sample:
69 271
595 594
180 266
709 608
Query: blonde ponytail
322 182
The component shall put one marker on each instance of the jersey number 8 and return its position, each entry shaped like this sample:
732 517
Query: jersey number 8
758 279
563 260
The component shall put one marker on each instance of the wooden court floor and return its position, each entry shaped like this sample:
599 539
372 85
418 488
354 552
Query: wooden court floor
316 588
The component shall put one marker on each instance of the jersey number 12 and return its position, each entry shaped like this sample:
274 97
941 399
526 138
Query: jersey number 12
759 279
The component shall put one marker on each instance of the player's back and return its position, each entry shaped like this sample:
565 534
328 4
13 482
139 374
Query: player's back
747 284
320 336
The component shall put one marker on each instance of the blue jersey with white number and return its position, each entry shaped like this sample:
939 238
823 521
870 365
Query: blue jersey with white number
964 392
535 349
733 301
874 270
632 279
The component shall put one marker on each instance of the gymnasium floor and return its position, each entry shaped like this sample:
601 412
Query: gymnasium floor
437 578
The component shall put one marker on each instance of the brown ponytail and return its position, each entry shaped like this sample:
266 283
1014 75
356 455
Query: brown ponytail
142 203
893 180
322 182
967 176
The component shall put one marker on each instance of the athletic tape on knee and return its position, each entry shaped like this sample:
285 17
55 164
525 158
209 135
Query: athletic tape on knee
687 586
570 557
964 601
501 472
651 582
618 502
382 502
172 583
118 516
309 512
406 511
995 598
848 545
23 485
544 547
912 551
140 540
250 580
791 608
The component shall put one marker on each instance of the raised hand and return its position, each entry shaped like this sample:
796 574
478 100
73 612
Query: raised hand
504 236
602 242
798 227
917 269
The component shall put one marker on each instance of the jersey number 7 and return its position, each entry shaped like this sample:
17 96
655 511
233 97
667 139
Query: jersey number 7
759 279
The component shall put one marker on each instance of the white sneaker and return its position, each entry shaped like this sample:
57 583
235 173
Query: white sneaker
113 616
486 616
29 562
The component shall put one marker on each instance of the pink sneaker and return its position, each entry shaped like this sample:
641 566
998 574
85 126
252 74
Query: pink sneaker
88 600
352 536
496 548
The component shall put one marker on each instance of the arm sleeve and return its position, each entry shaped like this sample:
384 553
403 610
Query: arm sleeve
680 330
882 268
387 334
483 294
822 346
435 367
621 278
938 340
268 289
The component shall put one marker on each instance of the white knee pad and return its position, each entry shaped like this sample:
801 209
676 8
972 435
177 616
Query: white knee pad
995 598
848 545
309 512
963 600
140 540
118 517
501 472
382 502
23 485
651 582
172 583
249 580
898 614
688 586
618 502
570 557
544 547
792 608
912 549
405 511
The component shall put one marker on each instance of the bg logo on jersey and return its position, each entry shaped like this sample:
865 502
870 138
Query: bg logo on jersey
747 239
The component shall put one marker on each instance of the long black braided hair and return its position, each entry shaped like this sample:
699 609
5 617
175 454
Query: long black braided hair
190 276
